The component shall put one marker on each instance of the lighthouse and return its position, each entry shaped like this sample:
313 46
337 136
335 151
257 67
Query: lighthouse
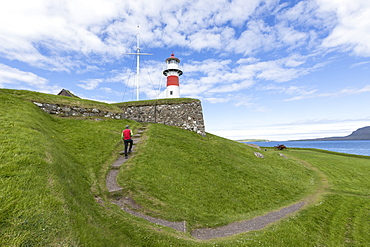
172 72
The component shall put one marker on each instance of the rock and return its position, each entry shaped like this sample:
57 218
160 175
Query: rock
282 155
253 145
259 155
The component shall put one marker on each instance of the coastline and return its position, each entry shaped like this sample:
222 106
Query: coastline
355 147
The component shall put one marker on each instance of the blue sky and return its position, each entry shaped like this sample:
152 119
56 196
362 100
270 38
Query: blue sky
266 69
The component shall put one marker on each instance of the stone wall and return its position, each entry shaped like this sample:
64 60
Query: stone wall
186 115
69 111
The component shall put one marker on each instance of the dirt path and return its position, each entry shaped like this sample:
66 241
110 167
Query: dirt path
254 224
111 180
323 182
261 222
129 205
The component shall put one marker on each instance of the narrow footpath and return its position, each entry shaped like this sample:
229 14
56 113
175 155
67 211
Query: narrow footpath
111 180
129 205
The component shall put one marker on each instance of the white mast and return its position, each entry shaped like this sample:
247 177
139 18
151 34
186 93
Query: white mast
138 54
137 65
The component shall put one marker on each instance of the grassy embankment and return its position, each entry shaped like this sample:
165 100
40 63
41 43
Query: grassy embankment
341 216
210 181
52 169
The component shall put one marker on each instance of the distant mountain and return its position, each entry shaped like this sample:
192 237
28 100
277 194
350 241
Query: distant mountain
359 134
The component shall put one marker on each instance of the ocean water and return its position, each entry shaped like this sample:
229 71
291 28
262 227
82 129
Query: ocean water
349 147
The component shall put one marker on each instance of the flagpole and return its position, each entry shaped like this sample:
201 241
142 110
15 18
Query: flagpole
137 66
138 54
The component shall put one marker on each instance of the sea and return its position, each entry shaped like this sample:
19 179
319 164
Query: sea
349 147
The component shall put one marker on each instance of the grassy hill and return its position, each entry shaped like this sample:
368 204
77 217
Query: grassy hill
52 170
210 181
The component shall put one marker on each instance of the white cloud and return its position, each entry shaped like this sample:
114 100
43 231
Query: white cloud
353 24
237 99
25 80
205 39
248 60
11 75
231 87
281 70
359 64
42 29
350 91
90 84
256 37
215 100
290 90
291 37
315 94
236 12
38 32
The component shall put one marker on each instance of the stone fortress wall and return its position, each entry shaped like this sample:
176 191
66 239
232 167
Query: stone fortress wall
184 114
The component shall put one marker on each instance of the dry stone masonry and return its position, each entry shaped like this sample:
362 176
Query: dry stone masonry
69 111
186 115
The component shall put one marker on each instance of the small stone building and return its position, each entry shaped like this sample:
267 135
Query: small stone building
67 93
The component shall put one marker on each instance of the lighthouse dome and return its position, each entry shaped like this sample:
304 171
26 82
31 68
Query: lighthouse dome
172 59
173 67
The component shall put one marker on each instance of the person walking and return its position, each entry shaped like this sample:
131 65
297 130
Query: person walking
126 137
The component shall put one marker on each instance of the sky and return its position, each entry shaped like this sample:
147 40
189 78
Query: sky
263 69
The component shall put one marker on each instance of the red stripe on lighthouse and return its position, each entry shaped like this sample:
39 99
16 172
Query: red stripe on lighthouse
172 80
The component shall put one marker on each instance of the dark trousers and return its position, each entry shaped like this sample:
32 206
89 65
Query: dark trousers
128 142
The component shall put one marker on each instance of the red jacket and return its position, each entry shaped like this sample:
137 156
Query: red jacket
126 134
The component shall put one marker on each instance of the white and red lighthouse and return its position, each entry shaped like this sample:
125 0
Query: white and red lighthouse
172 72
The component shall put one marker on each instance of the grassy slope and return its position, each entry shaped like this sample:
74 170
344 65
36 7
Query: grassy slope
210 181
341 218
51 169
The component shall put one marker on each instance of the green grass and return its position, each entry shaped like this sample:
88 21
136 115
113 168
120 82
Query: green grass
343 175
53 169
336 221
210 181
340 218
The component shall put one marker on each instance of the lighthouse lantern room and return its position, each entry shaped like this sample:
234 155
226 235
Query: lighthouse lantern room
172 72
